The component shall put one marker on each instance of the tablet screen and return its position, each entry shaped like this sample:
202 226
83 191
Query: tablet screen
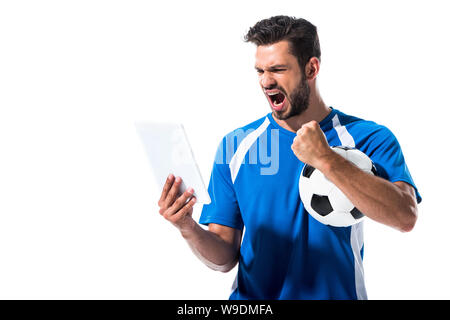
168 151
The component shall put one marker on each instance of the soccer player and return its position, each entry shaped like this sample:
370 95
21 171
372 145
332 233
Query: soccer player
256 217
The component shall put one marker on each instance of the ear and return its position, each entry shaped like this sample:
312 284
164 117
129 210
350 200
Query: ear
312 68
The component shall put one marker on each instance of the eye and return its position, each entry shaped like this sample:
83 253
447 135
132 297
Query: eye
259 71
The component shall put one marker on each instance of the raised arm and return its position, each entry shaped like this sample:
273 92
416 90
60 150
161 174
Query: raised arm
393 204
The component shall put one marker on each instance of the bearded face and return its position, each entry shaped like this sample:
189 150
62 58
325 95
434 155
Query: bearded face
282 80
298 101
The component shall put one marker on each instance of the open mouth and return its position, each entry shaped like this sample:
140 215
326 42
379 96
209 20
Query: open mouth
277 99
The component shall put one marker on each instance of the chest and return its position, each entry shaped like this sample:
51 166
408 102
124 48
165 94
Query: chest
267 185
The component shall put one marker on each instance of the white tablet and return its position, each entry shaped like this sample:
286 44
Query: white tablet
168 150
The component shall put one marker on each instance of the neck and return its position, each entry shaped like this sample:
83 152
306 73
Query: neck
317 110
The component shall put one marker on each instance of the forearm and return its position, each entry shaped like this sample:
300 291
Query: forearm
211 249
218 247
377 198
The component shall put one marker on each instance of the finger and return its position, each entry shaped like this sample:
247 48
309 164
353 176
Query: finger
166 188
173 192
311 124
180 202
186 209
298 140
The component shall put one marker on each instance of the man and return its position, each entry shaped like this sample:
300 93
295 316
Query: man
285 253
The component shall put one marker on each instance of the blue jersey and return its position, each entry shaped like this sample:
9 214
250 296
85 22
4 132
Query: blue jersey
285 253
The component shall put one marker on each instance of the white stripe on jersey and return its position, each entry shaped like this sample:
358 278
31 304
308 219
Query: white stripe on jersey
356 236
356 242
244 146
344 136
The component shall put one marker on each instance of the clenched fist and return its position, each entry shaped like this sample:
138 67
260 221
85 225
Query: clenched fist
310 145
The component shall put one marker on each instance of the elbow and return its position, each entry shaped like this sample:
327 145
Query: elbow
407 211
223 267
227 267
408 224
409 217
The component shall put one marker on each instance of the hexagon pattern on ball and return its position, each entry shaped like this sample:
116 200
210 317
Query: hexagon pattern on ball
323 200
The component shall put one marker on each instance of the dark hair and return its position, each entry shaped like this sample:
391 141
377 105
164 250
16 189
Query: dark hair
301 34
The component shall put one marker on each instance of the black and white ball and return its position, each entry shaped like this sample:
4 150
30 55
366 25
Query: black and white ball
326 202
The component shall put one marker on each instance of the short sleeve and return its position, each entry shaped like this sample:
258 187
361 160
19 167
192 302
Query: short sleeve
224 208
387 155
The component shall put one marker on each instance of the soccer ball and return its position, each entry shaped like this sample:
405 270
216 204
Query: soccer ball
326 202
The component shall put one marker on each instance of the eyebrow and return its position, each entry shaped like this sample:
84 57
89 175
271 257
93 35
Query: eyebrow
277 66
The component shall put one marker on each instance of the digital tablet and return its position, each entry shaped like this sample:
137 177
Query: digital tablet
168 150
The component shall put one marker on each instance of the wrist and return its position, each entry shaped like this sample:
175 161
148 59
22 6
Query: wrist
326 162
188 228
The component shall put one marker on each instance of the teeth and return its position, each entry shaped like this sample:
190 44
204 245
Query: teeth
272 94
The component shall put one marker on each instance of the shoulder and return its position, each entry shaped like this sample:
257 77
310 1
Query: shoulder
364 131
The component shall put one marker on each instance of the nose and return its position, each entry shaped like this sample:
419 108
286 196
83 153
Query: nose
267 81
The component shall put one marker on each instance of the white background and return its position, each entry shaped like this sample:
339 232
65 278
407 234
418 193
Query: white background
78 213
